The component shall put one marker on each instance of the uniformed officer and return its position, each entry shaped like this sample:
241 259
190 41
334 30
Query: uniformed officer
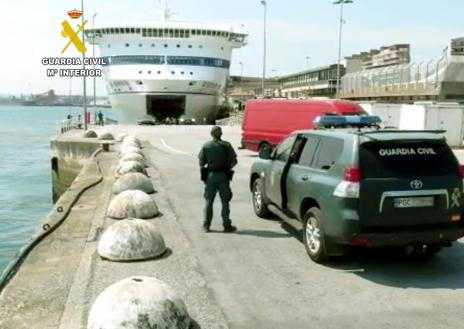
218 157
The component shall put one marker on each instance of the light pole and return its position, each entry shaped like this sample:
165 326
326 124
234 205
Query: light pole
93 55
427 72
83 67
341 3
307 62
275 84
264 3
241 85
418 74
241 76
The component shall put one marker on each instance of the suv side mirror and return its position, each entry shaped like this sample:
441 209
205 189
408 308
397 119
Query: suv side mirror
265 153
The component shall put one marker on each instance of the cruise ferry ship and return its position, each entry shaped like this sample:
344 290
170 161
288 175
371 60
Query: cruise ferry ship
167 69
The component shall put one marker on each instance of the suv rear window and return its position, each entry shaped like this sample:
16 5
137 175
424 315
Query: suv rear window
406 159
328 153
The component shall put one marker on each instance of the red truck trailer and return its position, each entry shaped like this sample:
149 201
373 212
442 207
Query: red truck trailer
267 122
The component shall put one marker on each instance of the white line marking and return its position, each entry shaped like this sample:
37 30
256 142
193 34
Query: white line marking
174 150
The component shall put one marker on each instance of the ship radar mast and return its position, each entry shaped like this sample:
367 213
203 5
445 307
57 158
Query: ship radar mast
167 13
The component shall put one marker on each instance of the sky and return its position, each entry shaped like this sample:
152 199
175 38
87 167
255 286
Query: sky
30 30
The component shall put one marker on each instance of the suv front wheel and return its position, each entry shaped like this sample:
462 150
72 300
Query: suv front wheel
259 199
313 235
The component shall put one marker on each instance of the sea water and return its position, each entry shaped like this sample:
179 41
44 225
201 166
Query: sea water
25 172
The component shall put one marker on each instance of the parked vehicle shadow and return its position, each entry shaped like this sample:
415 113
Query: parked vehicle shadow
388 267
297 234
391 267
194 324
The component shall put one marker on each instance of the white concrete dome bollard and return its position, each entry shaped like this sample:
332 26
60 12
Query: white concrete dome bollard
132 203
123 150
141 163
126 145
133 181
90 134
131 240
107 136
132 140
120 137
132 157
131 166
138 303
131 143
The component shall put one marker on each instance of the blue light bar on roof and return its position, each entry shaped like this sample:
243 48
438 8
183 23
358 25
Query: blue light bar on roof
346 121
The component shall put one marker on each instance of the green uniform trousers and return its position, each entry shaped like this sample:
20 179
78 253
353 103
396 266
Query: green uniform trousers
217 182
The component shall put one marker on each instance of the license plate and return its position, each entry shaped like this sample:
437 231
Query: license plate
427 201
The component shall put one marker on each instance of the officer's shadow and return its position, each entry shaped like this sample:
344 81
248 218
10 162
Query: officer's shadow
282 231
263 234
194 324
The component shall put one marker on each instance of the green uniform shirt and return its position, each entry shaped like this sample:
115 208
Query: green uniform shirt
218 155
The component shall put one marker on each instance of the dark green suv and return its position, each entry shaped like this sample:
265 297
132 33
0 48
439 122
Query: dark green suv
363 186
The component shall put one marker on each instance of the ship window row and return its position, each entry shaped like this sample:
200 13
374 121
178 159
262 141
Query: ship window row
171 60
199 61
127 45
166 33
121 60
119 83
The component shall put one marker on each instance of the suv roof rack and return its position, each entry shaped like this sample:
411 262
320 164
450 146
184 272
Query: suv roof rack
347 121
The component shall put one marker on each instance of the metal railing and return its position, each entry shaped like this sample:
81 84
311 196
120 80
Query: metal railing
70 124
66 125
110 121
399 80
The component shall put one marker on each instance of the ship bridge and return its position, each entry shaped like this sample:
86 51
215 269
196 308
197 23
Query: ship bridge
170 30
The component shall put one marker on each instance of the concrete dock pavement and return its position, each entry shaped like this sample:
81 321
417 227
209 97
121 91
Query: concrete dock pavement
262 277
258 277
61 277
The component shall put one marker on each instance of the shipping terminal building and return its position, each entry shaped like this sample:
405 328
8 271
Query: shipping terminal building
386 74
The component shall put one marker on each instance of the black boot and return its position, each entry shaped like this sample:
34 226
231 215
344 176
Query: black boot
230 229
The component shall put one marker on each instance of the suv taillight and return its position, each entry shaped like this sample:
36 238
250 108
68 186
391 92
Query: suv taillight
349 187
352 174
461 170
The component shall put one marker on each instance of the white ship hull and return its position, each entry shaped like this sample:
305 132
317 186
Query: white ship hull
202 108
172 69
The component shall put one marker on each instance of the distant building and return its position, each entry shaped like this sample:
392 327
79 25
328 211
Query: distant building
378 58
317 82
242 87
389 76
456 47
354 63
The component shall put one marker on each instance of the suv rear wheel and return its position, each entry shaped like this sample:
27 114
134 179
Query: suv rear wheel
259 199
313 235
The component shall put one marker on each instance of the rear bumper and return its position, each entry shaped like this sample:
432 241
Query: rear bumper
435 236
354 236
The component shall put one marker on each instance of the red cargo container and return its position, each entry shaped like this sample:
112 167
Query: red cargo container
268 121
